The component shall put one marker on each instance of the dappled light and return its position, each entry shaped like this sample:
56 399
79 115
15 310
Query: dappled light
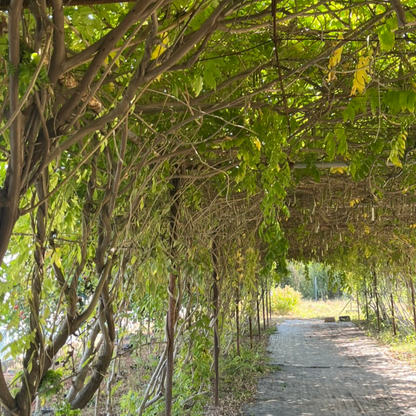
176 176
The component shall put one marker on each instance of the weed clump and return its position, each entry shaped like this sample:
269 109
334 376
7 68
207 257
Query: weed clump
285 300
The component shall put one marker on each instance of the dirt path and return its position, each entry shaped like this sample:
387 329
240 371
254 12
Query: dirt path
332 369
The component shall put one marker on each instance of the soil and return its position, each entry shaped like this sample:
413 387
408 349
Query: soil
328 369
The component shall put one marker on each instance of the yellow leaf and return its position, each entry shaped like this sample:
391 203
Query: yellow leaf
367 229
361 77
160 48
338 170
354 202
334 60
257 144
58 262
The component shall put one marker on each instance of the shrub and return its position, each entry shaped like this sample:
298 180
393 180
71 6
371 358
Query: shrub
284 300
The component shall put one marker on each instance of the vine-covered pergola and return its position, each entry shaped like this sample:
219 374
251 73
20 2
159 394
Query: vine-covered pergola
160 161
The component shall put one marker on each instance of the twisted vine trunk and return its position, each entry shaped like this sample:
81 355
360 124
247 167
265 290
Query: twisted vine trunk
33 362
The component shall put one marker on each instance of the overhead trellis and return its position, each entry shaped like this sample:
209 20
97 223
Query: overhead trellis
336 212
155 154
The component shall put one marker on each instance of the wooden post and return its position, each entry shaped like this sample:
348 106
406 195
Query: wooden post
237 320
392 314
258 315
377 300
250 325
358 304
412 288
171 314
170 336
267 308
215 305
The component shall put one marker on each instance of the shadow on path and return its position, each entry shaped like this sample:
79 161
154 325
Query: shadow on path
332 369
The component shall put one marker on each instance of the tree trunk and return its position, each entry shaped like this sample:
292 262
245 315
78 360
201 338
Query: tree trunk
264 312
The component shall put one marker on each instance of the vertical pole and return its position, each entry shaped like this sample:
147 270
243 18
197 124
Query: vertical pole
366 301
170 332
412 288
258 315
264 313
392 314
267 307
316 288
250 325
215 305
171 315
237 320
377 300
358 304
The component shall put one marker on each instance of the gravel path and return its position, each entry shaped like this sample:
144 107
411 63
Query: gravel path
332 369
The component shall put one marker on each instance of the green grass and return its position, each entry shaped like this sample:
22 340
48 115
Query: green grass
309 309
401 346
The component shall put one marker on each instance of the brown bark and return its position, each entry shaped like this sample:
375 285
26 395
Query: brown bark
9 196
33 362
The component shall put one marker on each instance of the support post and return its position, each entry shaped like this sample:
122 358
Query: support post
392 315
377 300
215 306
258 315
250 325
237 320
171 315
412 289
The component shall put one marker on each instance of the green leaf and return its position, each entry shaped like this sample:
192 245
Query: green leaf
386 38
209 79
342 141
197 85
330 145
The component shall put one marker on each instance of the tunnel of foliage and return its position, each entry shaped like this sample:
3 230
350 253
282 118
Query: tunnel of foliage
160 161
